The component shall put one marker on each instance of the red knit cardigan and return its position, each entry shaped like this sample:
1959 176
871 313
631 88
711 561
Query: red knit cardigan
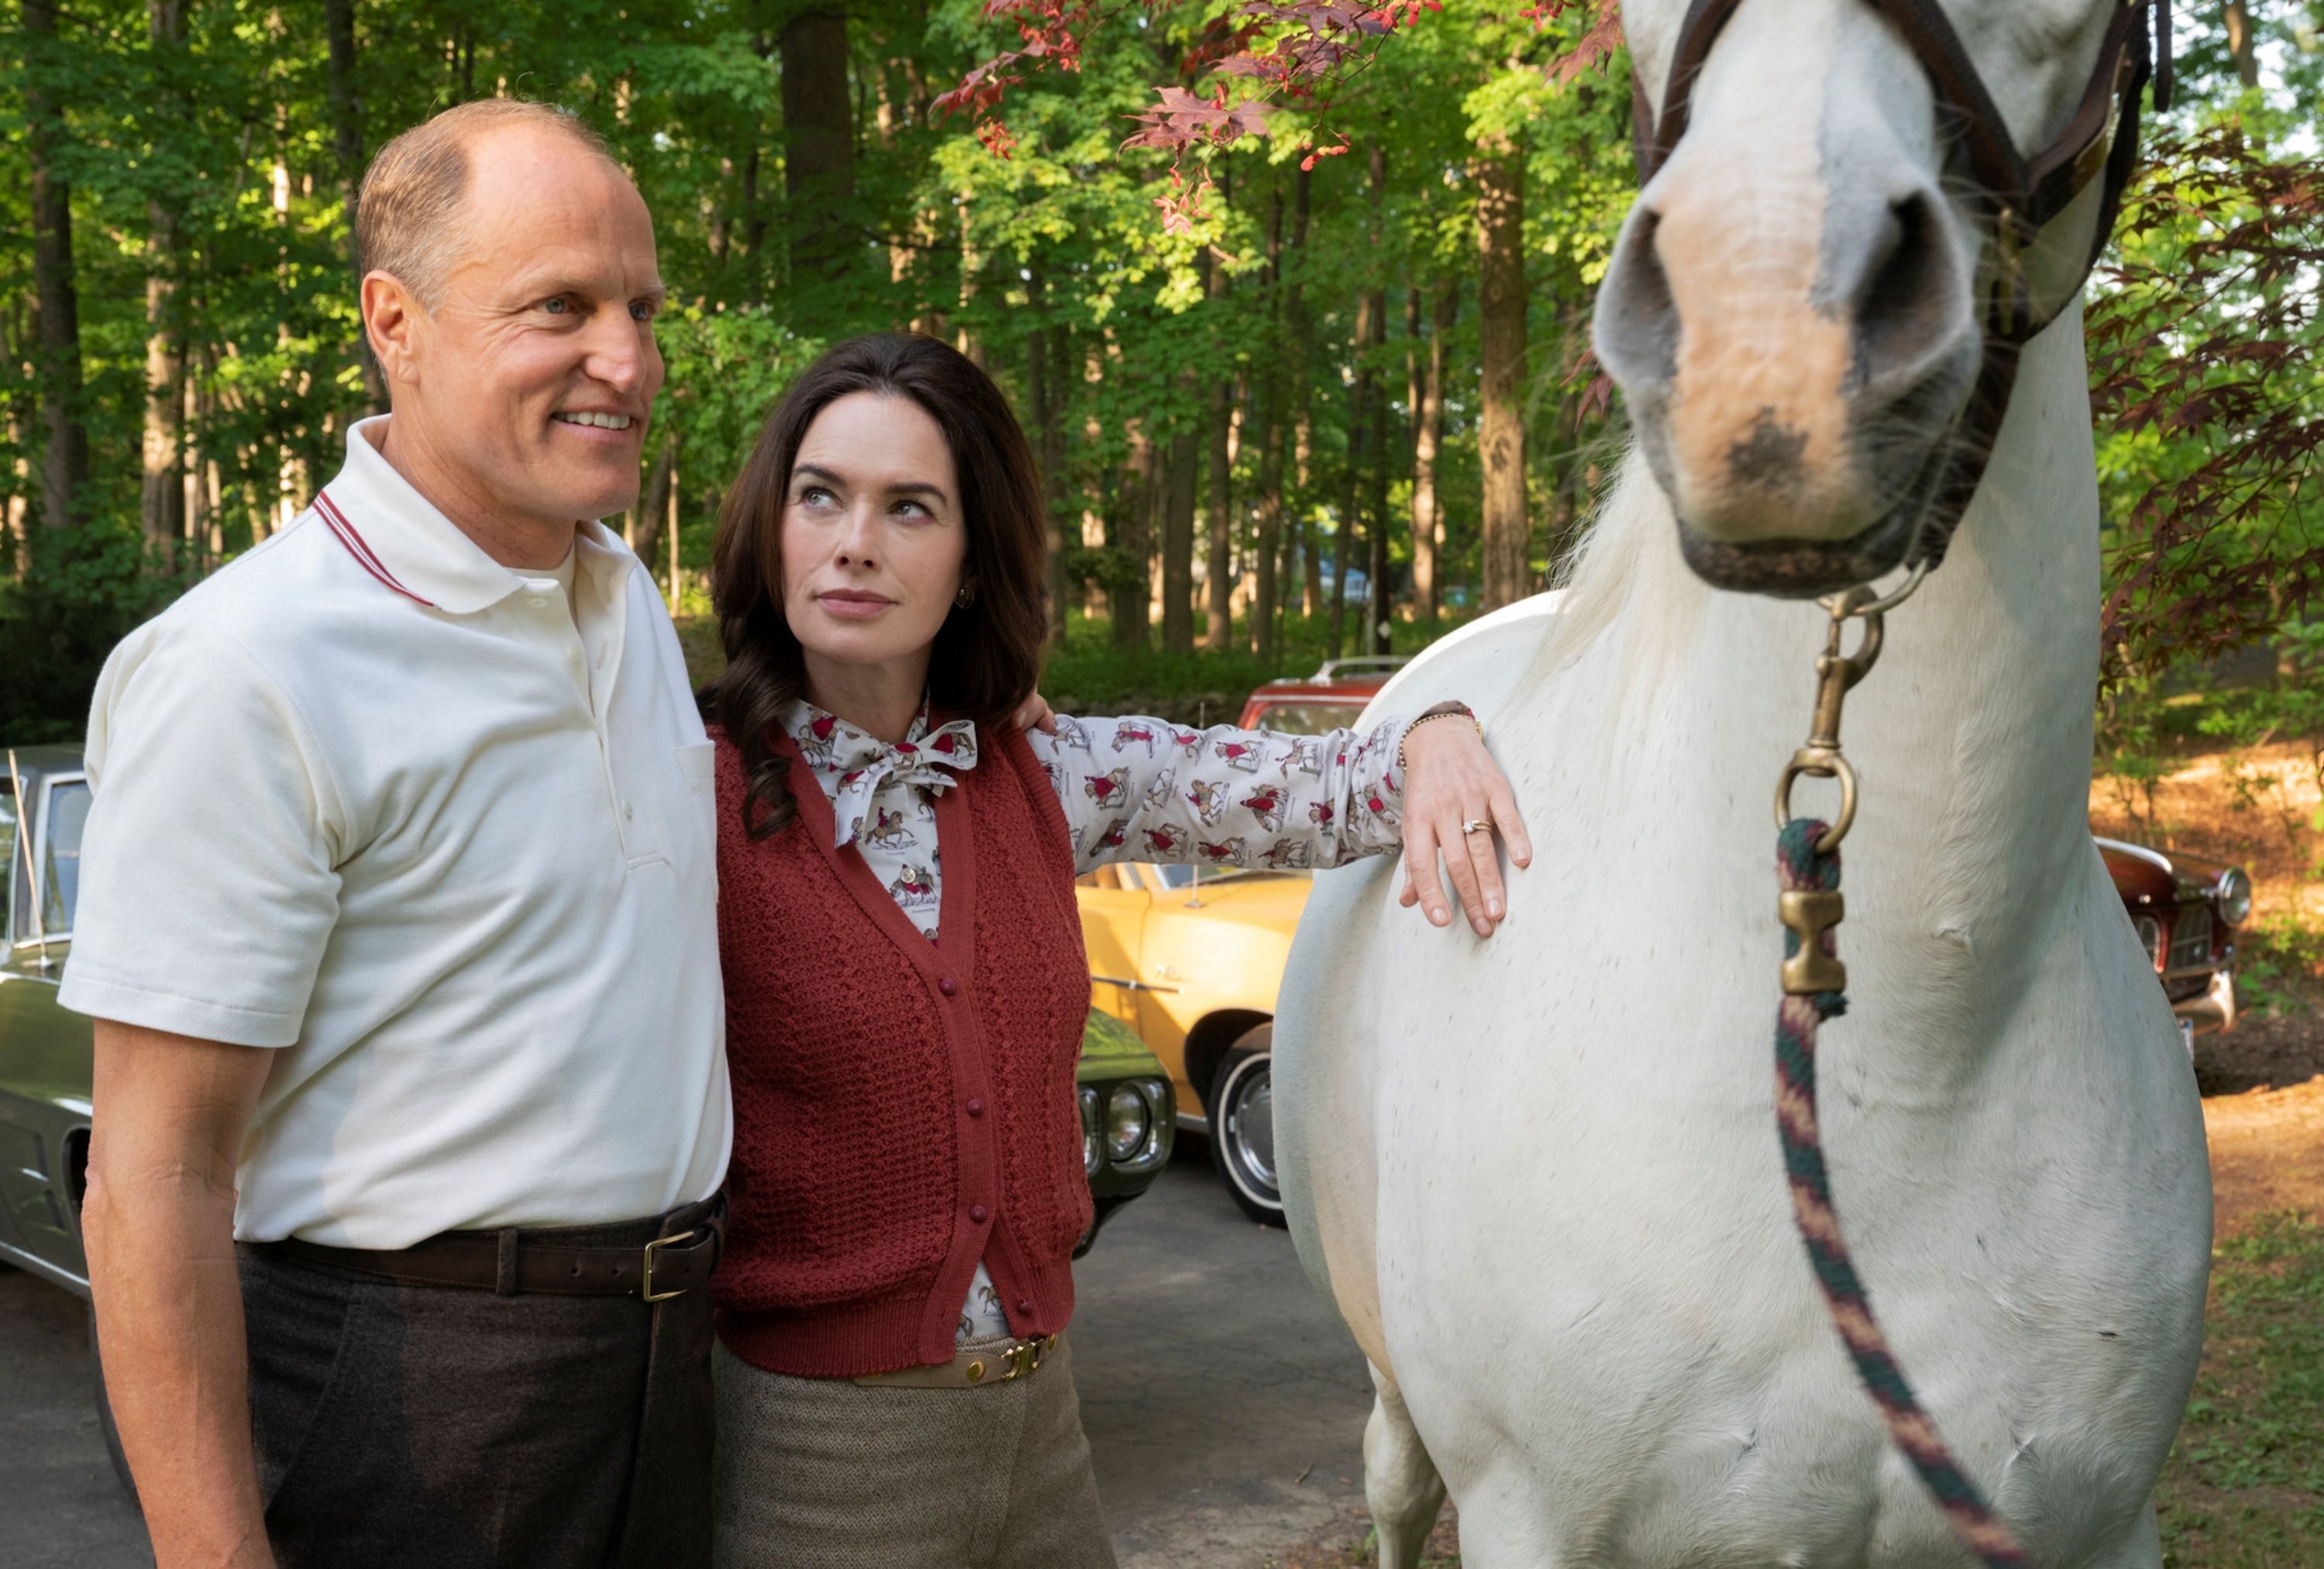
902 1108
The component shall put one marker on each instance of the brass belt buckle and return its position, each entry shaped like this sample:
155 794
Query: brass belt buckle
646 1287
1023 1358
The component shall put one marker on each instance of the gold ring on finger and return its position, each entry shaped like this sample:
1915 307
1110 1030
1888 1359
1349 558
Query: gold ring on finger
1477 825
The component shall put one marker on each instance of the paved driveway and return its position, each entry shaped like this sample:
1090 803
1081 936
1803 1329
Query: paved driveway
1224 1404
58 1506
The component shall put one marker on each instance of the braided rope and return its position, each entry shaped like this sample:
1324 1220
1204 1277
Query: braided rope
1799 868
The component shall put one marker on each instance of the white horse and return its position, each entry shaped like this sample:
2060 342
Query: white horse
1538 1175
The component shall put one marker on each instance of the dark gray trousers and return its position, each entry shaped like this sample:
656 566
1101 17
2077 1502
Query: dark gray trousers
401 1426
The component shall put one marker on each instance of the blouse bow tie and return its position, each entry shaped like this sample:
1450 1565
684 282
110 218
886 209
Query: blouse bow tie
925 762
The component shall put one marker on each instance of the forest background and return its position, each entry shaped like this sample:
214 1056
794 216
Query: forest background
1315 391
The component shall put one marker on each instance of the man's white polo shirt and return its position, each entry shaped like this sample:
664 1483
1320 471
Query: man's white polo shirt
363 797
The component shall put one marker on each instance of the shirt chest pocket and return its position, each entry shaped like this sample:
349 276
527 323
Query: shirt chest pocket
667 803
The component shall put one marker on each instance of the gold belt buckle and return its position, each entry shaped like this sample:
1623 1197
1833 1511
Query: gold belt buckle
646 1287
1023 1358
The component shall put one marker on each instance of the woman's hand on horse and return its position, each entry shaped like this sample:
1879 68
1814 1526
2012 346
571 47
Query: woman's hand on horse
1451 786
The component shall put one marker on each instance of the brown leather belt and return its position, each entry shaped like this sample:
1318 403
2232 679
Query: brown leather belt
971 1369
672 1255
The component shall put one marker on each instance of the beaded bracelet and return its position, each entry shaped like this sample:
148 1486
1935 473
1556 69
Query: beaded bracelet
1442 710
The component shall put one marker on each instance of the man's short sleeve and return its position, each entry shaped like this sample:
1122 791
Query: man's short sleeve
208 887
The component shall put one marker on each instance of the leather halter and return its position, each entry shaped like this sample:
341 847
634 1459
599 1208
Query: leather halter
2018 195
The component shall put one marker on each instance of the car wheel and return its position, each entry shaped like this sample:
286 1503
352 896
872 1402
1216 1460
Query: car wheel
1242 1126
104 1424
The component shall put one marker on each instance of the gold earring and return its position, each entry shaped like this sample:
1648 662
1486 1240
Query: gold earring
967 597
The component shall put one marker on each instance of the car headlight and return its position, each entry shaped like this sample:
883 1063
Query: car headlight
2150 937
2234 897
1092 1145
1127 1121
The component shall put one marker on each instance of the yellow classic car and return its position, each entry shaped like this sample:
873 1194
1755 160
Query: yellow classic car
1191 956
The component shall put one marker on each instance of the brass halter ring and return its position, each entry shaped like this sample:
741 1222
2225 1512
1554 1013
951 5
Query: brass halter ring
1820 757
1824 766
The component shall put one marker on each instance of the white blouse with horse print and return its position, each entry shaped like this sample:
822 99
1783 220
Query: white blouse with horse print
1133 789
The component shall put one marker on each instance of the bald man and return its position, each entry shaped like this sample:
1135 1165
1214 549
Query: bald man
397 921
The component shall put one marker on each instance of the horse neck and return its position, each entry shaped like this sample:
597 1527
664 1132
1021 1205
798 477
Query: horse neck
1971 736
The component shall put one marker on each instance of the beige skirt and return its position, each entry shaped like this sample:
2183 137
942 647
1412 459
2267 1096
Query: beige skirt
828 1473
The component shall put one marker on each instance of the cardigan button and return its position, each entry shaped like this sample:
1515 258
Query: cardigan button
978 1212
948 986
1024 1306
975 1108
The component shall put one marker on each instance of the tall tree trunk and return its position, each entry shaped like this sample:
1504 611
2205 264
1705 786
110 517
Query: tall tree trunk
1347 528
1267 504
1088 486
1415 397
2241 46
1301 359
1047 399
163 505
1157 511
1126 534
1057 451
195 493
1218 565
972 266
1267 548
1427 436
1350 535
208 510
1500 430
819 165
1311 547
290 488
754 203
1218 622
347 143
654 509
1379 601
1178 531
1379 598
64 462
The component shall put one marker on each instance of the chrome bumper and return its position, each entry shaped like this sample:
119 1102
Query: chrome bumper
2214 1011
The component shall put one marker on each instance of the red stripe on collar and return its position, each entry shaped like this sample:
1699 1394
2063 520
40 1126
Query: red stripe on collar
345 533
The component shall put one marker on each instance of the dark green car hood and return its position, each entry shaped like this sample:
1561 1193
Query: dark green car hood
1110 1051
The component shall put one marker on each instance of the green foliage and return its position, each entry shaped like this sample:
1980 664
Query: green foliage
1090 676
2277 962
247 138
2208 363
80 594
2244 1487
2289 707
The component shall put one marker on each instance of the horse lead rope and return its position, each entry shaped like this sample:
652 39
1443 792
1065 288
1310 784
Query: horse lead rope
1801 868
1807 870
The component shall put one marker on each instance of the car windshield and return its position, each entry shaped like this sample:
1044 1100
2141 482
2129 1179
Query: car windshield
8 843
1307 718
60 875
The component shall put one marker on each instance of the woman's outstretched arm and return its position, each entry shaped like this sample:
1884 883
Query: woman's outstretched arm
1138 789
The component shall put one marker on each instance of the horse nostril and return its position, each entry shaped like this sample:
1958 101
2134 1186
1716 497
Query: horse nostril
1905 308
1637 327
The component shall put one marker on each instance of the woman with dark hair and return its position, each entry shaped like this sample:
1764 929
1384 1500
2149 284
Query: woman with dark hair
905 980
